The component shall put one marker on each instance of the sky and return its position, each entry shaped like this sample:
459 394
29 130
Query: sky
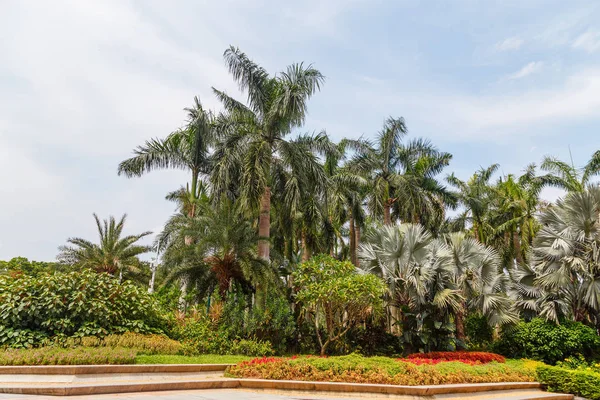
82 83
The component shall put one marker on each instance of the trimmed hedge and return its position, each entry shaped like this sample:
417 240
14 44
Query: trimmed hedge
61 356
548 342
578 382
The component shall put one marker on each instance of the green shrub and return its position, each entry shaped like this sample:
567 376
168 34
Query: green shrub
479 332
142 343
274 322
371 340
548 342
70 356
580 383
72 304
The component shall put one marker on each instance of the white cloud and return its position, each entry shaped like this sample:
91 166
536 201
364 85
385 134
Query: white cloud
530 68
511 43
588 41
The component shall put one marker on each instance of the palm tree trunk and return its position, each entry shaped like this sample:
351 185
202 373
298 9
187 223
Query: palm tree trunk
459 321
352 241
517 246
357 240
387 216
264 225
305 249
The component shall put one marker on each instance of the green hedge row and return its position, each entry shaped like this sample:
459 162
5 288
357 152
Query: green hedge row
577 382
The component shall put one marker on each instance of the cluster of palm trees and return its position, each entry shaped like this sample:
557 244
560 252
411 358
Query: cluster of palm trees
263 197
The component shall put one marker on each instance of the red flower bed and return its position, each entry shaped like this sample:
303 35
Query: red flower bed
467 357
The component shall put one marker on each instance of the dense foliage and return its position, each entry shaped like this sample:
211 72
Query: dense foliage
335 296
548 342
72 304
357 369
582 383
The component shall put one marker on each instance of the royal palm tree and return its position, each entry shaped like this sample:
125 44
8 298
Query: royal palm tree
566 176
255 150
185 149
114 254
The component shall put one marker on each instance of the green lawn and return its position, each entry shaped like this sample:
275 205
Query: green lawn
203 359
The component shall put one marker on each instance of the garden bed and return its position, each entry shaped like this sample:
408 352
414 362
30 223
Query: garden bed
383 370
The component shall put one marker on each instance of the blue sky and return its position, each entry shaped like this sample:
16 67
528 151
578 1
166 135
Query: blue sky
83 82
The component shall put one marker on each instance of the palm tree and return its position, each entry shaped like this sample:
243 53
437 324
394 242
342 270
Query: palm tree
475 195
476 275
255 150
186 149
381 162
222 253
113 254
439 279
566 256
566 176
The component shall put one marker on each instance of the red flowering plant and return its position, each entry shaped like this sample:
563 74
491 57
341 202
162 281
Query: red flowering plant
466 357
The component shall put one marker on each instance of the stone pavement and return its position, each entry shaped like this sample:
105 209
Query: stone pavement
219 394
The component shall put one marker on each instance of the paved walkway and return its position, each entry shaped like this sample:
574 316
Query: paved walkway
219 394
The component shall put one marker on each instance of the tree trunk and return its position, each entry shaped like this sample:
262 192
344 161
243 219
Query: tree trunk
387 216
517 246
459 321
264 225
352 241
357 241
305 249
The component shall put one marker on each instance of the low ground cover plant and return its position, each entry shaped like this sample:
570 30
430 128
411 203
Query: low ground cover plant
144 344
467 357
382 370
68 356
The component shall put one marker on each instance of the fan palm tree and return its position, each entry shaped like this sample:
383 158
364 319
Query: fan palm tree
185 149
482 287
566 176
566 256
114 253
439 279
255 149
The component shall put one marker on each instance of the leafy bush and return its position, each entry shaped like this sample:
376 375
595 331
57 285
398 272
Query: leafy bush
478 330
273 322
370 340
201 336
462 356
70 356
580 383
144 344
548 342
381 370
72 304
327 286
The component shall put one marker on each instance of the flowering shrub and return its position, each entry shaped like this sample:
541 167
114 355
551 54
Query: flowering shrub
381 370
467 357
71 356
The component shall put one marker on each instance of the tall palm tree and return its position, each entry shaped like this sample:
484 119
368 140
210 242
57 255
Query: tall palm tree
185 149
566 176
475 195
255 149
566 256
380 162
114 253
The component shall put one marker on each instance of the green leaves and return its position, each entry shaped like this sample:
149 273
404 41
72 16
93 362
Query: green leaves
74 304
